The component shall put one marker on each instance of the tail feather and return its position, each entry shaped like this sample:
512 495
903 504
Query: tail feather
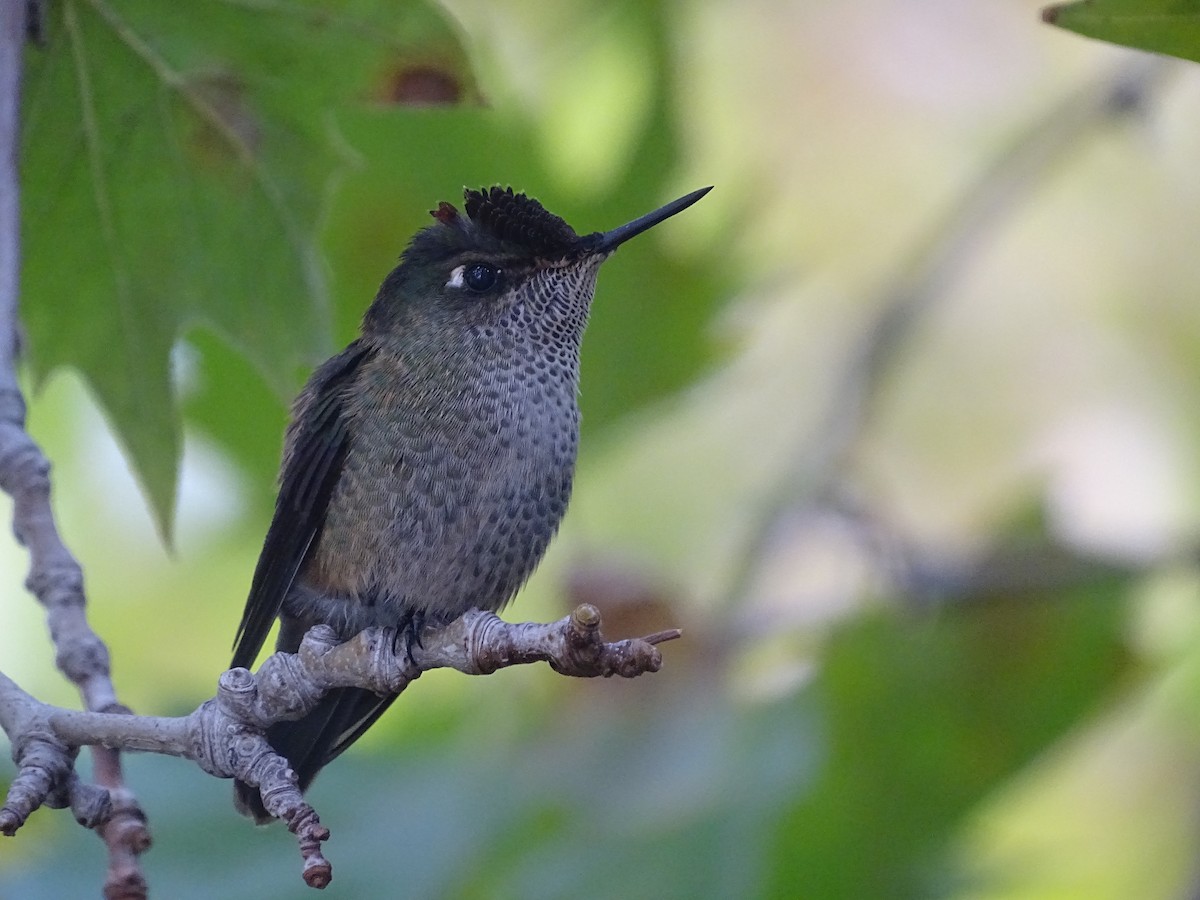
311 743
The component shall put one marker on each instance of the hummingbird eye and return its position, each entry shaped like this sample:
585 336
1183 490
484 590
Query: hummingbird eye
480 276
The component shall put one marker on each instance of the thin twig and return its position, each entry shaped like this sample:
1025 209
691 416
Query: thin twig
54 575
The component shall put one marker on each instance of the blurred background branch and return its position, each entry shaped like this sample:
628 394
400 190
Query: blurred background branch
817 474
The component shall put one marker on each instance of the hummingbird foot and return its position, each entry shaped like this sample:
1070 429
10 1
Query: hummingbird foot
408 631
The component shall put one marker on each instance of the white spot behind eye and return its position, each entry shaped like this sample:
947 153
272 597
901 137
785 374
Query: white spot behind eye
456 277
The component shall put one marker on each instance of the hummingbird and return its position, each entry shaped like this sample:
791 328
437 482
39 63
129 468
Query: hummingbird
427 466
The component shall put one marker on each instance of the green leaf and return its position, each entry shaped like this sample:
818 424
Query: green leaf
928 713
176 160
1161 26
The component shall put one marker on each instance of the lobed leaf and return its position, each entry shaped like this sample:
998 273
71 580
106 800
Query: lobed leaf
176 162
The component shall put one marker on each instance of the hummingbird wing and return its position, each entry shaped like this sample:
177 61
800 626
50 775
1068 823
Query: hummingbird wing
319 444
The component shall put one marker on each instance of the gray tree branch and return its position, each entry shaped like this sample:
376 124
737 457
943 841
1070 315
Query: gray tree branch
225 734
54 576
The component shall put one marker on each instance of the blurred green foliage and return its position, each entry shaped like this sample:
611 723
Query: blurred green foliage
903 686
1007 675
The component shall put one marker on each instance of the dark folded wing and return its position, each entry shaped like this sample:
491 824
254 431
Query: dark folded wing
312 469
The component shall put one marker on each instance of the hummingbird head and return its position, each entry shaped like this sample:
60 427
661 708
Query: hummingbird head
505 265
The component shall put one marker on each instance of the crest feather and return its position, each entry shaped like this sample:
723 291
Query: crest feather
518 219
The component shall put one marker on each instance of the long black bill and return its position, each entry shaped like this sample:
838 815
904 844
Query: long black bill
606 242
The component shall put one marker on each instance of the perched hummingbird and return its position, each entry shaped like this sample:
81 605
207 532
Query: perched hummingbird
428 465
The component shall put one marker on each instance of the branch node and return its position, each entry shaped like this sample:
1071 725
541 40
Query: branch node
82 656
585 619
488 643
91 805
286 690
45 769
588 655
237 694
392 668
319 640
129 820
